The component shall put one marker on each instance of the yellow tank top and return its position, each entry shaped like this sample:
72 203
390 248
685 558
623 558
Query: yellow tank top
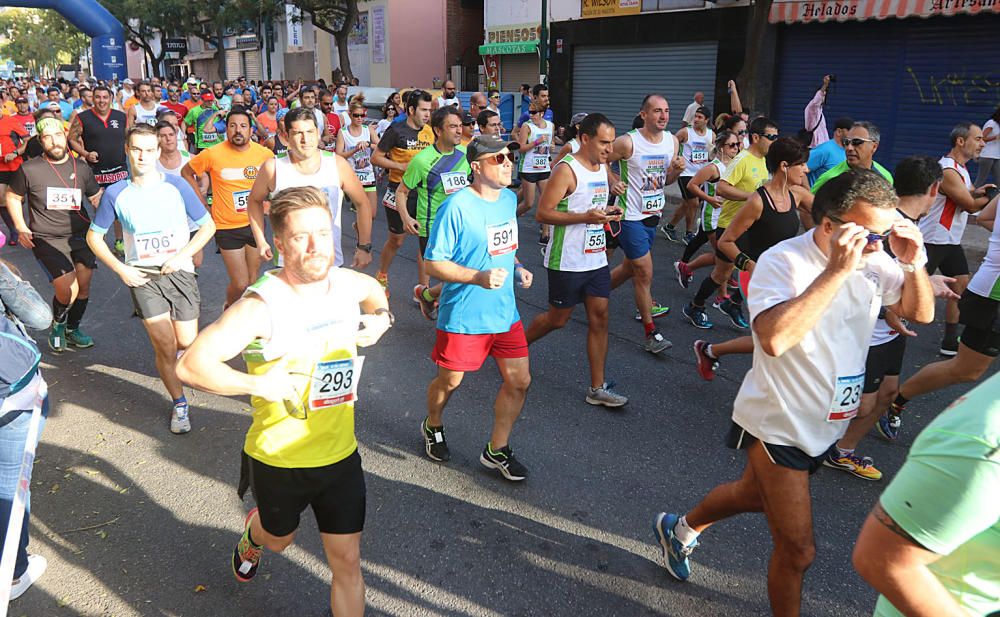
316 343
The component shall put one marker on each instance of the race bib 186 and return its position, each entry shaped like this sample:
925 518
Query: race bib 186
62 198
454 181
502 238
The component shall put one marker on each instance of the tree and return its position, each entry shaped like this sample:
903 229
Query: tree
336 17
756 31
40 39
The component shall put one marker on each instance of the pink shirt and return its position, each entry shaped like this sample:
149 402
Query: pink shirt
815 120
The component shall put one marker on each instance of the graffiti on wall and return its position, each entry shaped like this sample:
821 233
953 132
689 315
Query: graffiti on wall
957 88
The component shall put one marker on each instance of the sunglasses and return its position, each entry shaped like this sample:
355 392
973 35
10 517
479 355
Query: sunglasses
173 91
743 132
768 136
359 115
498 158
856 142
735 144
872 236
495 97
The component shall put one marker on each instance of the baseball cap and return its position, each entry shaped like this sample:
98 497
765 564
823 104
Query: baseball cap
54 106
21 99
128 81
467 118
488 144
207 96
191 81
843 123
577 118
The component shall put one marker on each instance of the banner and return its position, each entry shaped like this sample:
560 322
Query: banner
293 21
378 34
609 8
491 65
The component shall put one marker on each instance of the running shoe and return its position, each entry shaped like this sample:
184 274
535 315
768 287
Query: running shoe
655 343
246 555
706 365
684 274
428 306
861 466
57 337
605 396
735 313
689 237
120 248
697 316
949 347
675 554
383 280
889 423
179 421
718 301
657 311
503 461
671 233
543 240
434 442
77 338
36 568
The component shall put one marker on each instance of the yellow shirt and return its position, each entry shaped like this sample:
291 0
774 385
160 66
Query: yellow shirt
746 172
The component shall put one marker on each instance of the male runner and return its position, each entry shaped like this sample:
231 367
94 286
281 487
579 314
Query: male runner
944 225
539 95
14 135
860 146
98 136
649 162
145 110
334 121
813 300
298 331
172 160
173 102
478 103
576 204
831 152
209 123
434 174
697 141
232 167
396 148
471 248
306 165
54 186
489 123
154 209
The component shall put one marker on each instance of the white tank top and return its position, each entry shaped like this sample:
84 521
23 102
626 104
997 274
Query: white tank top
574 145
945 221
536 160
145 116
696 151
580 248
176 171
645 174
327 179
362 159
443 102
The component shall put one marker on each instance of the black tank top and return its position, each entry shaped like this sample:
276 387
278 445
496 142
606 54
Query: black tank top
772 227
107 139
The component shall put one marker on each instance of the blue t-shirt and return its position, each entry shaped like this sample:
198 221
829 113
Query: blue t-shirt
67 109
466 232
154 217
524 116
824 157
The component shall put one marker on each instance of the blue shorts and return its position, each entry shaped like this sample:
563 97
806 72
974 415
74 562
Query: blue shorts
636 239
567 289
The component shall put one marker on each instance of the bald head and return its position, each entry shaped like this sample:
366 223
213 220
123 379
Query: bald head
699 97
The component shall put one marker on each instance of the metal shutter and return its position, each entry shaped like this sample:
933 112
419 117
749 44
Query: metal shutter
517 69
914 78
233 64
614 79
251 65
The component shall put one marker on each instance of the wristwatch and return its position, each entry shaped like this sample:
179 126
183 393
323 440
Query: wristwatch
365 247
392 318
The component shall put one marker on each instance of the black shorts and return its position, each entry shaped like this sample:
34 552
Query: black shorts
58 256
948 258
335 492
234 239
6 176
786 456
981 318
392 218
682 184
176 293
611 232
423 244
535 177
885 360
567 289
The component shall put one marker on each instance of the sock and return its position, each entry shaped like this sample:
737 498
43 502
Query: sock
736 295
684 534
649 328
59 311
426 293
950 331
708 287
708 352
75 314
845 451
251 540
900 402
180 401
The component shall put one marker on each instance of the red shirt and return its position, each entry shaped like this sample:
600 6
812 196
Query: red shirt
12 132
178 108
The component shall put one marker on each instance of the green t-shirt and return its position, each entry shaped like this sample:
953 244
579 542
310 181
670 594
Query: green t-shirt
192 115
945 497
836 170
435 177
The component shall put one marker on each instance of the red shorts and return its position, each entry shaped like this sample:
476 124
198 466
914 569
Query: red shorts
467 352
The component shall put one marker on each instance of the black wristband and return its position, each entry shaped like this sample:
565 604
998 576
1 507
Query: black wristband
741 261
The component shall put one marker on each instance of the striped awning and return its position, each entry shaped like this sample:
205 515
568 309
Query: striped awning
791 12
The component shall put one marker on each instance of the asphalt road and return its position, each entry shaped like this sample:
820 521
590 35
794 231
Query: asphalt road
136 521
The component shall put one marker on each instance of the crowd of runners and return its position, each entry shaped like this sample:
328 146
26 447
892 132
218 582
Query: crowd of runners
816 255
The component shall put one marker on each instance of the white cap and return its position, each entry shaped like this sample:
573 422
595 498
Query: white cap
128 81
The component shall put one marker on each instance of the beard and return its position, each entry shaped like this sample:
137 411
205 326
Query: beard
239 139
55 153
311 269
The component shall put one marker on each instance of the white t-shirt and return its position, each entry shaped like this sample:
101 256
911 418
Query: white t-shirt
992 149
805 397
689 112
986 281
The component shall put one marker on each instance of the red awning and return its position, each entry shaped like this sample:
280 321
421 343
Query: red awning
860 10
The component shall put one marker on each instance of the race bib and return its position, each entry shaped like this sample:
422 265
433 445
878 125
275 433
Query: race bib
389 199
61 198
652 203
366 176
155 245
699 155
335 383
595 241
240 200
846 398
501 238
454 181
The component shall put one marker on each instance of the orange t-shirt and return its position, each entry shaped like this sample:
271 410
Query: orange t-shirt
270 124
232 173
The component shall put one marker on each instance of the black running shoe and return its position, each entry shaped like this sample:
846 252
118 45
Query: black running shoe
503 461
434 442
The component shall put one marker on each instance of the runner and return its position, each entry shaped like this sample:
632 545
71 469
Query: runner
697 141
267 121
306 165
98 136
489 123
154 209
742 177
572 145
54 186
535 141
576 204
649 162
448 96
298 329
173 102
15 130
209 123
145 110
232 167
355 143
703 185
434 174
472 249
860 146
396 148
814 300
944 225
172 160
